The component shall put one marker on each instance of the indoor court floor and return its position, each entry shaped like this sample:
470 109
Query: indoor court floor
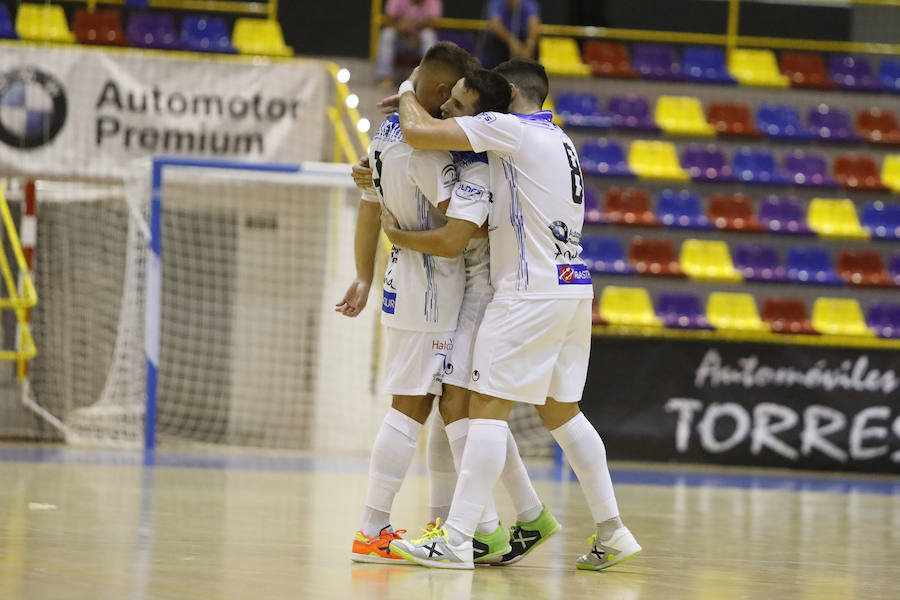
102 525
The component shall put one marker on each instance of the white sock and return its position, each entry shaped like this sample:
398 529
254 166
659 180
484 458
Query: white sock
587 455
441 469
456 433
392 453
482 463
518 484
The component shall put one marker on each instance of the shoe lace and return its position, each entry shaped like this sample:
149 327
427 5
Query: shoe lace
431 531
593 539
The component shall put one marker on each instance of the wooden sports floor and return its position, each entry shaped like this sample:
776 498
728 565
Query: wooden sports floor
100 525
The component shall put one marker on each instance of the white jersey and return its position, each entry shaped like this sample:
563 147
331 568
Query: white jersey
537 208
421 292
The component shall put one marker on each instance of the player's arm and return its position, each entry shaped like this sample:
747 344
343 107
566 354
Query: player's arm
447 241
423 131
365 245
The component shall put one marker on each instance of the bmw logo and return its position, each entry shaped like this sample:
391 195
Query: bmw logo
560 231
32 108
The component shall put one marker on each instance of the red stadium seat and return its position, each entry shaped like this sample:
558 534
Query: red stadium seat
806 70
787 315
731 118
878 126
857 172
863 267
654 257
732 211
102 27
629 206
608 59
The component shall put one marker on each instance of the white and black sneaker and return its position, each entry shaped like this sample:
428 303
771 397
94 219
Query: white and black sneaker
606 553
525 537
435 550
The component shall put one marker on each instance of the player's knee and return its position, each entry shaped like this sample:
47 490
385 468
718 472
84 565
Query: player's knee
555 414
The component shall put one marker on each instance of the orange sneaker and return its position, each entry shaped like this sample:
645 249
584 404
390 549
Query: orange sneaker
377 549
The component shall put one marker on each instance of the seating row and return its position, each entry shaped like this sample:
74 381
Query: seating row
738 312
711 260
683 115
710 64
199 33
659 160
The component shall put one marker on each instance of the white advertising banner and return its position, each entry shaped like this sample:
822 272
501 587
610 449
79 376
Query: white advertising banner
84 112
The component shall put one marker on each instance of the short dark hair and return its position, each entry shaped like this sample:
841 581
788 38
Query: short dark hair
451 56
493 90
528 76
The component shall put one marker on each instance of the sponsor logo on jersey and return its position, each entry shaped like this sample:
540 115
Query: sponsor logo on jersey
448 370
573 274
389 302
560 231
486 117
442 345
469 191
449 175
476 375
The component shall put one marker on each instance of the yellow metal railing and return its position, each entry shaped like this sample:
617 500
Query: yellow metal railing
19 300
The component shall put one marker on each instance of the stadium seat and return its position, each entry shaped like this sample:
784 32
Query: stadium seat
781 121
682 115
260 37
467 40
889 75
758 262
43 23
628 206
101 27
204 33
608 59
733 312
732 211
592 212
878 126
655 160
857 172
806 70
560 56
706 163
890 172
731 118
152 30
832 124
831 217
895 269
757 68
705 64
604 157
882 220
884 320
7 30
627 306
707 260
654 257
680 209
756 166
581 110
787 315
631 112
852 73
807 168
839 316
605 255
783 215
681 311
810 265
862 267
656 61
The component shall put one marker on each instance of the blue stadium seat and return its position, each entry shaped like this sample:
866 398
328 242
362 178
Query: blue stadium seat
781 121
883 220
889 75
604 157
811 265
680 209
203 33
581 110
756 166
7 28
605 255
705 64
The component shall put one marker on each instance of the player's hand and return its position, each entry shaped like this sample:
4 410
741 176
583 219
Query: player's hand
354 301
388 222
389 105
362 174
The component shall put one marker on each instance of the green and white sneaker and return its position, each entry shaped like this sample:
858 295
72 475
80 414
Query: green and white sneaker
489 548
605 553
525 537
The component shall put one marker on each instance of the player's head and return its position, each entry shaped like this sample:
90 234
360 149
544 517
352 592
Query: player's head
529 81
441 67
479 91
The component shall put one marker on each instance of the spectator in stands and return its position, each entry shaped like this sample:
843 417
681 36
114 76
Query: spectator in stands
513 31
408 30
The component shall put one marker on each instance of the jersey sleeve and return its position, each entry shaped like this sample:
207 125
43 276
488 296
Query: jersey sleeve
471 196
492 131
433 172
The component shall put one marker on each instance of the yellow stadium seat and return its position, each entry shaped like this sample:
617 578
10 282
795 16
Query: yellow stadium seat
839 316
682 115
756 67
627 306
43 23
708 260
655 160
890 172
832 217
560 56
260 36
734 311
548 105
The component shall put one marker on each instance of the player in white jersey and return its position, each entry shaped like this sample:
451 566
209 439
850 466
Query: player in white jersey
534 341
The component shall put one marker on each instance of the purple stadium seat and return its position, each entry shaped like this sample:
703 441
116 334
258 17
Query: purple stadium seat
756 166
605 255
706 163
883 220
758 262
894 269
467 40
680 209
852 73
807 168
592 211
681 311
706 64
656 61
604 157
631 112
152 30
832 124
783 215
884 318
581 110
781 121
811 265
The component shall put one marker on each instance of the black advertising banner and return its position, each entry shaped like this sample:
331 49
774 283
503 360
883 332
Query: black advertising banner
747 404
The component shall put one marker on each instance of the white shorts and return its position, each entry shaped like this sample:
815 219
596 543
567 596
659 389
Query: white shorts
475 299
414 361
529 350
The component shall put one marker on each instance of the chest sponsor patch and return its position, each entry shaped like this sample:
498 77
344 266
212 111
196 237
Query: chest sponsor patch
573 274
389 302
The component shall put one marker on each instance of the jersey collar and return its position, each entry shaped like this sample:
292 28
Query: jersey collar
541 115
